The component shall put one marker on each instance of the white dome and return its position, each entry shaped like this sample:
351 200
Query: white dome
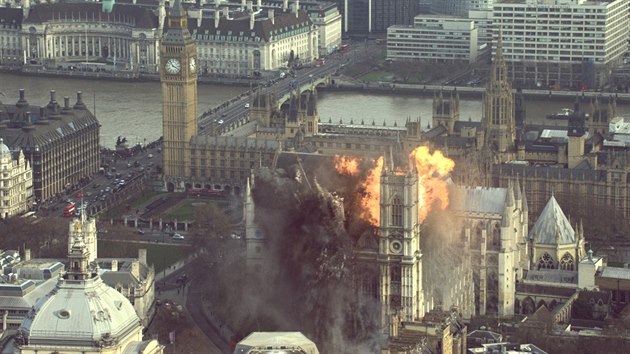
80 314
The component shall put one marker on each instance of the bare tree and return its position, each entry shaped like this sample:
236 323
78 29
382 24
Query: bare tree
211 223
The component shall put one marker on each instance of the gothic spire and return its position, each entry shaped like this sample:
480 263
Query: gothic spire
499 67
177 10
509 196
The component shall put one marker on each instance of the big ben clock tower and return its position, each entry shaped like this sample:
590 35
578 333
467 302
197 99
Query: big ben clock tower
178 74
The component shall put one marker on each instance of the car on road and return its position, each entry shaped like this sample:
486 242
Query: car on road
140 232
246 105
178 237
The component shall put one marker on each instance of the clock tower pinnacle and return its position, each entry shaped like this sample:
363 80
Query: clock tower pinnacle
178 75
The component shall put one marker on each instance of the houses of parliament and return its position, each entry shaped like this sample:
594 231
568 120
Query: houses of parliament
576 166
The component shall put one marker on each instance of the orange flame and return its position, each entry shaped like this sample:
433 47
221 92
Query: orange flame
347 165
431 184
432 188
371 201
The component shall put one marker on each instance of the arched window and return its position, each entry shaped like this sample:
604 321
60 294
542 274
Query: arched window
546 262
397 212
496 235
566 262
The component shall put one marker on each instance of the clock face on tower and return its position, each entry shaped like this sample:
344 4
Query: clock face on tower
173 66
193 65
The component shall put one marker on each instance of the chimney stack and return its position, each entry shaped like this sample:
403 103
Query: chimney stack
285 5
27 254
252 20
217 18
259 5
243 5
226 13
79 104
200 17
114 265
250 6
271 16
296 7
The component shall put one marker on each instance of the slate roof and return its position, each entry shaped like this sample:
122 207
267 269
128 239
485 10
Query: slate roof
141 16
549 172
435 132
478 199
544 289
555 276
19 302
239 26
42 130
11 16
460 124
486 336
552 226
276 340
615 273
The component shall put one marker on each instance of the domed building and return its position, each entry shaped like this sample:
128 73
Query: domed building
83 314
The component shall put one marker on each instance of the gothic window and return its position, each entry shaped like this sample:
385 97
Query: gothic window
546 262
566 262
395 279
397 212
496 235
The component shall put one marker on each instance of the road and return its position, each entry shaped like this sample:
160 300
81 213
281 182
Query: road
116 180
238 106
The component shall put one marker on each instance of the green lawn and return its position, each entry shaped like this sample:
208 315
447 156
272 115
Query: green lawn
377 76
144 199
185 210
158 255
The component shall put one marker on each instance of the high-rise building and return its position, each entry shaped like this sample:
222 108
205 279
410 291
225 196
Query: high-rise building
459 7
433 38
562 44
366 17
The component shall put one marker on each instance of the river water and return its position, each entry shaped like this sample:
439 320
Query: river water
134 110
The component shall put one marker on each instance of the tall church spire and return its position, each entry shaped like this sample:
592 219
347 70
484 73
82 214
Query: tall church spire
499 68
497 120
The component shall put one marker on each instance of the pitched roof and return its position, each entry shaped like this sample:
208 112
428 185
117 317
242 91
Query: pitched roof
239 26
141 16
552 226
11 16
478 199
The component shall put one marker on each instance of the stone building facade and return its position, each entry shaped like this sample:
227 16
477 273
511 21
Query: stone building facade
242 43
86 33
10 39
495 228
16 183
61 142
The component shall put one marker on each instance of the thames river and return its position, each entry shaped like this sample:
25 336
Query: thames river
133 109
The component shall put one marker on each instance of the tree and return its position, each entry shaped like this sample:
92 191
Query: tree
211 223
